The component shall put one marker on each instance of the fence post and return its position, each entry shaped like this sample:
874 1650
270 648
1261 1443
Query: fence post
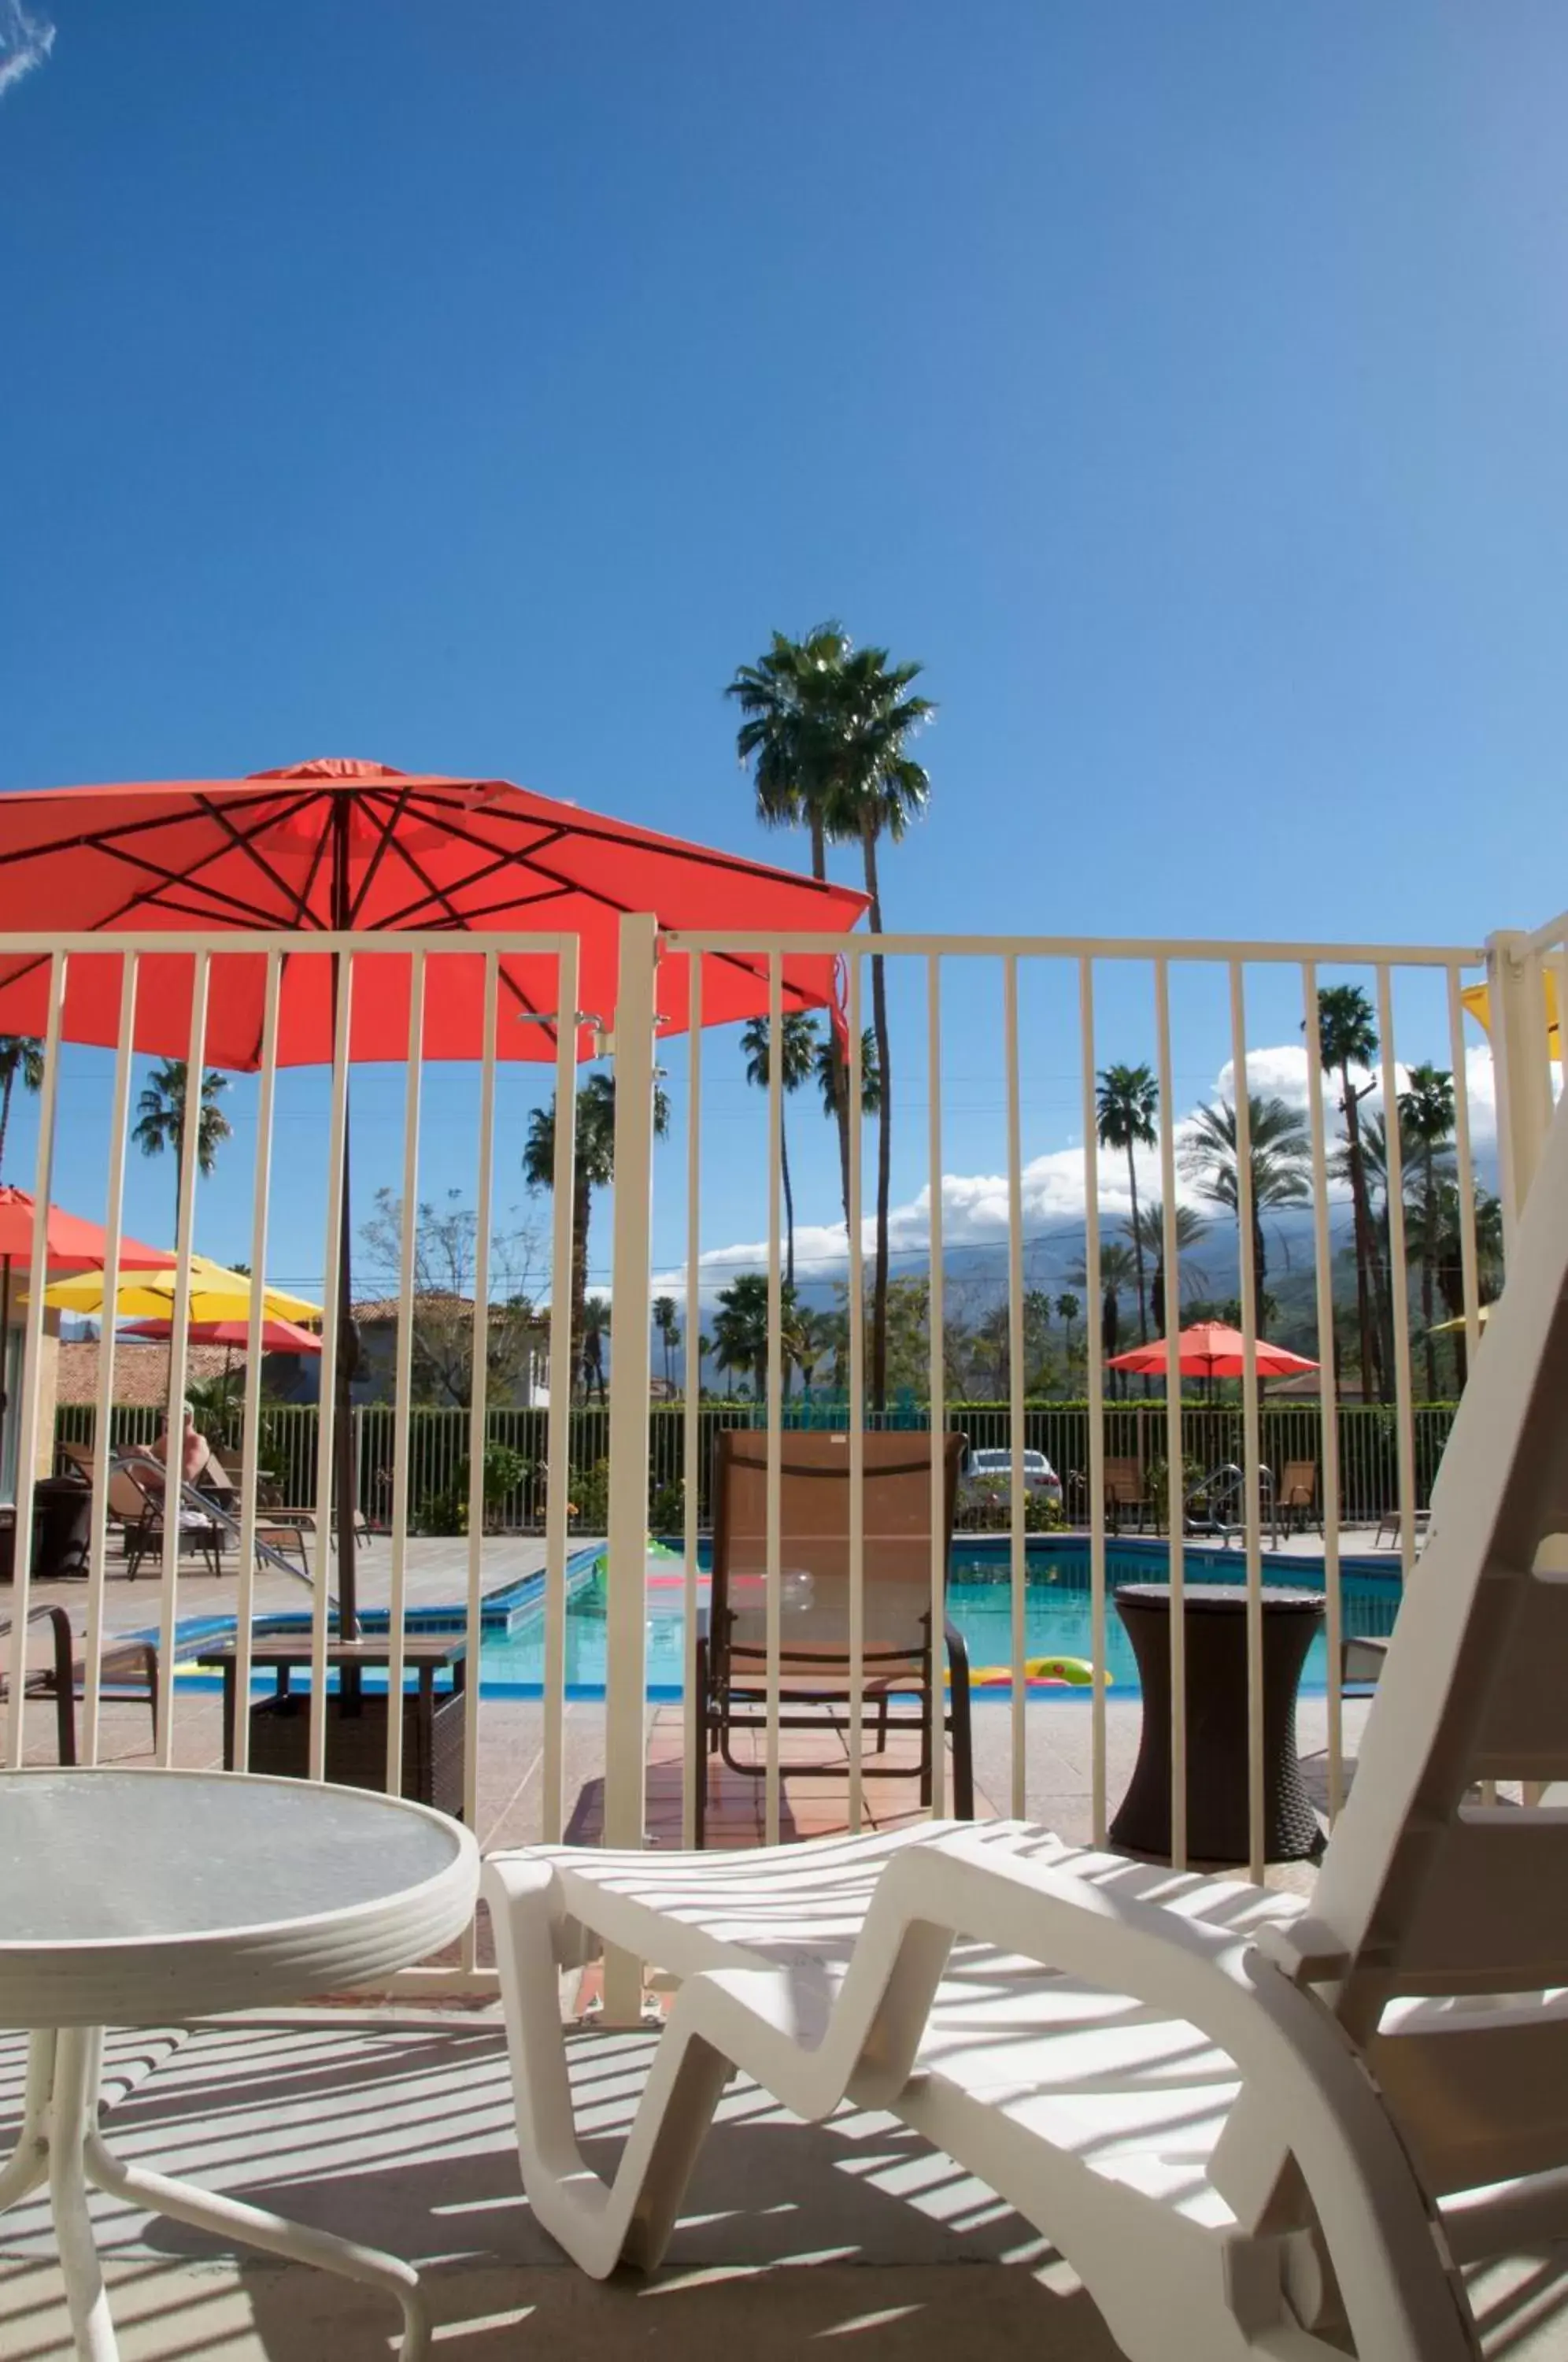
1516 993
631 1372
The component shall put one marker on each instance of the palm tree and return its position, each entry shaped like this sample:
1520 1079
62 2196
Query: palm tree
1067 1310
795 1065
740 1329
1150 1233
879 789
1117 1270
595 1329
827 730
1278 1157
1413 1156
594 1168
1126 1104
664 1315
1451 1260
160 1121
1427 1114
1347 1037
21 1061
811 1336
790 738
704 1347
829 1060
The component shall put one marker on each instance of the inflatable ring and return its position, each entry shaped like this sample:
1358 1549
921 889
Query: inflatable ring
1041 1673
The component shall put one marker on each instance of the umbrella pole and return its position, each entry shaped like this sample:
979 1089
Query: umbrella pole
343 1474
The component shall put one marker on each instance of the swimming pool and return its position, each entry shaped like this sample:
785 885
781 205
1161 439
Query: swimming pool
1056 1613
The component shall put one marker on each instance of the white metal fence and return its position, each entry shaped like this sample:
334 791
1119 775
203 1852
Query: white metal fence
1085 976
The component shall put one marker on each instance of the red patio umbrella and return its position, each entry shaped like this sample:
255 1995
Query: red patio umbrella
340 845
277 1336
1210 1349
71 1243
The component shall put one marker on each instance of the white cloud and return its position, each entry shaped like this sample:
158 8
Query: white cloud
974 1204
25 42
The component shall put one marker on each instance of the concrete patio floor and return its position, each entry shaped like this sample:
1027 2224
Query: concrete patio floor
395 2129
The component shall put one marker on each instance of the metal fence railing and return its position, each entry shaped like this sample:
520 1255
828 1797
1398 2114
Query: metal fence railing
517 1449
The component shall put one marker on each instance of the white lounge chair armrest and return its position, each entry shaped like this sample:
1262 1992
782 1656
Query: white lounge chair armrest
1308 1950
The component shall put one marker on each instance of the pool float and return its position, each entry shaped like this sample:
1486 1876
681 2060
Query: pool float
1041 1674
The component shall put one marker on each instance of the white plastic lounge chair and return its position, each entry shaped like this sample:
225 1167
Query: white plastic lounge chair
1253 2127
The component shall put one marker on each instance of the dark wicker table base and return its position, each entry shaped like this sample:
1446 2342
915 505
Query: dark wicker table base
1215 1623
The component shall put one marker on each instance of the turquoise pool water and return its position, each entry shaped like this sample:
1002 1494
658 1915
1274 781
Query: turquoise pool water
1056 1615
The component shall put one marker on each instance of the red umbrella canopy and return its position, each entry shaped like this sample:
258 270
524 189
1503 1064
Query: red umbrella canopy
1210 1349
340 845
277 1336
73 1245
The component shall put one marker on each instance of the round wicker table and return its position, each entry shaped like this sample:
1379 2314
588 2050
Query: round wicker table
1215 1623
143 1898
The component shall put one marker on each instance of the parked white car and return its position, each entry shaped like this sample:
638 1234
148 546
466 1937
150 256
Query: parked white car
994 1467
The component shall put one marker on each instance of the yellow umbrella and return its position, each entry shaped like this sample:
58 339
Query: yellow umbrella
216 1295
1477 1000
1447 1327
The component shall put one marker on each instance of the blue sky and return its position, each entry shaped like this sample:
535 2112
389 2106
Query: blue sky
475 388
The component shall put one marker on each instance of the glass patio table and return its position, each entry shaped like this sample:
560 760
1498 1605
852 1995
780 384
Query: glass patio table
142 1898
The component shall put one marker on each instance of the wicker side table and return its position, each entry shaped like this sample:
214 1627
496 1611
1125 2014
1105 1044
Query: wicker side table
433 1718
1215 1622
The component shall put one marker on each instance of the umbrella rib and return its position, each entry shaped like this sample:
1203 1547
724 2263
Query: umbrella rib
409 912
244 842
736 960
399 805
668 848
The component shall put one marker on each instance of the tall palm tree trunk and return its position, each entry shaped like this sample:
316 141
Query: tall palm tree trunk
1137 1249
1260 1269
5 1089
884 1133
581 1210
839 1067
789 1200
1362 1225
1428 1261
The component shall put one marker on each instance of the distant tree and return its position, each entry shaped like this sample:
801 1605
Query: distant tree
1151 1231
21 1061
445 1269
796 1064
1067 1310
1347 1037
1278 1159
160 1122
1118 1273
704 1348
1427 1113
1126 1103
594 1168
595 1329
1449 1260
740 1329
810 1339
664 1321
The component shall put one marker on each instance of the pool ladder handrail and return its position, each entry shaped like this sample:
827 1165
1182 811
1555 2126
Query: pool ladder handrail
1224 1484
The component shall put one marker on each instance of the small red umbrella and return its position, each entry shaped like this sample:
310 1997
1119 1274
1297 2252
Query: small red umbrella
277 1336
71 1242
1211 1349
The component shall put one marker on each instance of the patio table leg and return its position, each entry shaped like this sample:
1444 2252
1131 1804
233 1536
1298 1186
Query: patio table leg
60 2141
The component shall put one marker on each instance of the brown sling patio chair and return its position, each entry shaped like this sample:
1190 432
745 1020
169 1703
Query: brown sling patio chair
1295 1496
128 1674
902 1662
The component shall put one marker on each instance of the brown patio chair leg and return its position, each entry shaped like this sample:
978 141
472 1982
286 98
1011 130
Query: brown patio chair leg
703 1753
957 1720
